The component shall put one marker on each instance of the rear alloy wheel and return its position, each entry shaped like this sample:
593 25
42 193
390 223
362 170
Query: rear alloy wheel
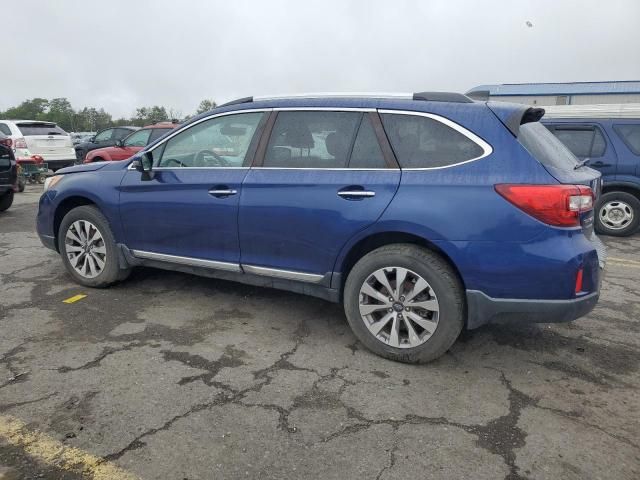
404 303
618 214
88 249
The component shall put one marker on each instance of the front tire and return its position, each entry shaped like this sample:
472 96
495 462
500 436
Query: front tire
88 249
6 201
404 303
617 214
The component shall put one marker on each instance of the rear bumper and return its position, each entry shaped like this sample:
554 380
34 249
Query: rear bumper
484 309
57 164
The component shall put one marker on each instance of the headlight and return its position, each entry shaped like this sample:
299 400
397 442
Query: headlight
51 181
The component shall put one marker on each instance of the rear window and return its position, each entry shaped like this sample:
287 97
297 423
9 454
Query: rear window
39 128
583 142
545 147
630 135
423 142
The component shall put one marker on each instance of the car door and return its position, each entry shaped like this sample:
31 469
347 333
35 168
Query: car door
588 141
186 210
320 177
131 145
628 133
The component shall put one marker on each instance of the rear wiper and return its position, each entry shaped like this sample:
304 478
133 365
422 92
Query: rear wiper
582 163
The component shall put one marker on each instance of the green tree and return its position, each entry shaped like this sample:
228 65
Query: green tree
61 112
206 105
147 115
32 109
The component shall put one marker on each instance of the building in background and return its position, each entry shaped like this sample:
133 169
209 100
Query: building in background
576 93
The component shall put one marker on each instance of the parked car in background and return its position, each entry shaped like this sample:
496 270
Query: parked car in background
80 137
104 138
423 214
8 173
607 138
31 137
131 144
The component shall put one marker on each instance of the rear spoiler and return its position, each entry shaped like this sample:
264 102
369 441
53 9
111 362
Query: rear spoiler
512 115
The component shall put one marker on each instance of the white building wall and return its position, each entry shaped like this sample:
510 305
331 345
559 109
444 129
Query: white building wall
546 100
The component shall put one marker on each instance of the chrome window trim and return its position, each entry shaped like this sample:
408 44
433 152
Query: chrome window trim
486 147
323 109
194 262
286 274
329 169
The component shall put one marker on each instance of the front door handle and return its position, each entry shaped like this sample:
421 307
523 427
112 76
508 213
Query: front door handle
355 192
222 191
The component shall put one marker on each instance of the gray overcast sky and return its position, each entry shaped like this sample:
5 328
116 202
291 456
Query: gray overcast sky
123 54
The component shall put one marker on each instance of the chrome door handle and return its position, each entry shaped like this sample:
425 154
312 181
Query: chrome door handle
222 192
357 193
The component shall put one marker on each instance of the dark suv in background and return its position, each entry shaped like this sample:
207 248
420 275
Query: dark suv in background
607 138
104 138
8 173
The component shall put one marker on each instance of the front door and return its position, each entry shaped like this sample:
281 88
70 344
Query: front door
322 179
189 206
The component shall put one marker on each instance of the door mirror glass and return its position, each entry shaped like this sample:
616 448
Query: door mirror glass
146 162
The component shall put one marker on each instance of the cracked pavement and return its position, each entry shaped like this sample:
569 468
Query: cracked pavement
170 376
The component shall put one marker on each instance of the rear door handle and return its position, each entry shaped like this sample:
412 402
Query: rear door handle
222 191
599 163
356 193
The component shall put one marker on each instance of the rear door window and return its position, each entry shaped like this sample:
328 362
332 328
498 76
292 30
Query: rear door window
309 139
584 142
630 135
424 142
366 152
156 133
40 128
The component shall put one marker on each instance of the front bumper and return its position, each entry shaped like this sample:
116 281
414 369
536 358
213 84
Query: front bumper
484 309
57 164
48 241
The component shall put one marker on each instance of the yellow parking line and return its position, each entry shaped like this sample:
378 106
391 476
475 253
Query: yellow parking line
74 299
58 455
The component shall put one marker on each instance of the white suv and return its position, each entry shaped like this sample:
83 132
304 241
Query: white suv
33 137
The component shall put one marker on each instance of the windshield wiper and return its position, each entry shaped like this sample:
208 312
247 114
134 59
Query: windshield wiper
581 164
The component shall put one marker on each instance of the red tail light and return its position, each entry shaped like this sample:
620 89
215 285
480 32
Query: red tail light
557 205
21 143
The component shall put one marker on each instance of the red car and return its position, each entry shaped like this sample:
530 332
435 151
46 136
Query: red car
131 144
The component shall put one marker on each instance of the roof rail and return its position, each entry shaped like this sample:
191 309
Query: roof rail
237 101
422 96
442 97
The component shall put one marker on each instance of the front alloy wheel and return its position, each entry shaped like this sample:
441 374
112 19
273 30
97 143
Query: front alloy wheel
399 307
85 248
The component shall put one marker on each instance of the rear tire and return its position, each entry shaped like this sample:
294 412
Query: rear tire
617 214
428 307
88 248
6 201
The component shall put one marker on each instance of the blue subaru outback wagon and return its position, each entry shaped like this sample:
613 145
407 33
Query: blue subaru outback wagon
423 214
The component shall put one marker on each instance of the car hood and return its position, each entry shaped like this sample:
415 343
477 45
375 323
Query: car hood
89 167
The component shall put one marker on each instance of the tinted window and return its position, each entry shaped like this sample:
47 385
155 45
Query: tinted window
40 128
422 142
5 129
121 133
104 135
156 133
583 142
138 139
219 142
366 151
630 135
311 139
545 147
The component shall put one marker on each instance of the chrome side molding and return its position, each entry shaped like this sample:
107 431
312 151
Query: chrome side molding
286 274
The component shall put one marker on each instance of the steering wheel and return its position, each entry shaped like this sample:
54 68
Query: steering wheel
176 161
199 159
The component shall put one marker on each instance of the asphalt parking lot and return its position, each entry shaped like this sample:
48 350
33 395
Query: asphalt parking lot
169 376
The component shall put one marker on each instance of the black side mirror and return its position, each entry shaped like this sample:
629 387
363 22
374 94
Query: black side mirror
144 165
120 143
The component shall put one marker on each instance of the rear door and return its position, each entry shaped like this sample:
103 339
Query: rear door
588 141
629 134
45 138
320 177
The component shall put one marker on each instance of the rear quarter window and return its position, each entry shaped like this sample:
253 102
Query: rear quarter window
38 128
425 142
630 135
545 147
4 128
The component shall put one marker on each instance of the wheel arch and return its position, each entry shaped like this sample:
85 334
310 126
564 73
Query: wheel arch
64 207
376 240
630 188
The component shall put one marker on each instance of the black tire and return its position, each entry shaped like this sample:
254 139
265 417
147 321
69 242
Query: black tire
623 200
440 276
6 201
111 272
80 154
21 185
